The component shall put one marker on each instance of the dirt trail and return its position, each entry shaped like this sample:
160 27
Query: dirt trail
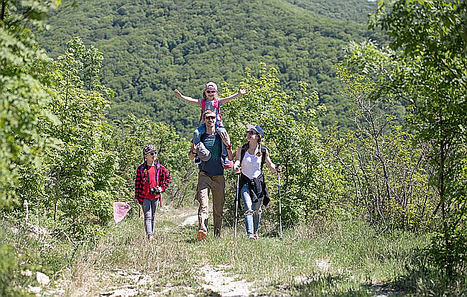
209 280
216 280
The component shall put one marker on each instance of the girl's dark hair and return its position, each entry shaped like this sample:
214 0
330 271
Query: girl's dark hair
204 95
247 145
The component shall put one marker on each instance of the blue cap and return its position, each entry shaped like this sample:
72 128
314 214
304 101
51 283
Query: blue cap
257 128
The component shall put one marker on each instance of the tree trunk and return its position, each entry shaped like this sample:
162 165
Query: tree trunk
442 196
55 210
2 16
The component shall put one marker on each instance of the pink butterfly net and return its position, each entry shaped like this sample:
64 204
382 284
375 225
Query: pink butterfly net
120 211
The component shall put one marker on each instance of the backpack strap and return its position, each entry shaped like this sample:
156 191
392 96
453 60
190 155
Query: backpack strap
242 154
216 105
156 173
263 154
203 106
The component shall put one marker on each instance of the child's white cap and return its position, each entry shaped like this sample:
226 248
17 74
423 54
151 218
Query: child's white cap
211 86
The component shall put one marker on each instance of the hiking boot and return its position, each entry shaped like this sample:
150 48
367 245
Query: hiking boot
251 236
201 235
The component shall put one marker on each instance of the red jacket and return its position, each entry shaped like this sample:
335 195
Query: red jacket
142 182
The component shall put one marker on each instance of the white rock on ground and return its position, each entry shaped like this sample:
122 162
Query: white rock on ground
322 264
42 279
34 290
191 220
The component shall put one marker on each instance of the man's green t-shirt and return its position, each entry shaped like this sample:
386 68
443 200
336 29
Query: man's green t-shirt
213 166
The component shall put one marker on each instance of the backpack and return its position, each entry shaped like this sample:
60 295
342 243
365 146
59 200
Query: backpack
263 154
216 106
263 150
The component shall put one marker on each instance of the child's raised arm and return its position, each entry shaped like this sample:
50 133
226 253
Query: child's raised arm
186 98
241 92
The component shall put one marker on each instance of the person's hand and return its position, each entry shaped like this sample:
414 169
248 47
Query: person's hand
243 91
177 93
193 152
278 168
237 169
225 138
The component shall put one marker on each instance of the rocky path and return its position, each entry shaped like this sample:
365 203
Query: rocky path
217 281
179 270
116 282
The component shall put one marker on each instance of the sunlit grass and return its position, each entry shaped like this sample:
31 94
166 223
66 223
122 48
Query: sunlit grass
345 258
341 258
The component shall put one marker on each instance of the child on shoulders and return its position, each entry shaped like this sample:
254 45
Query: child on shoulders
211 101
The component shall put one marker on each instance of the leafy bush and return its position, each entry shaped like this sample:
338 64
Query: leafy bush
9 273
127 141
311 185
384 164
23 96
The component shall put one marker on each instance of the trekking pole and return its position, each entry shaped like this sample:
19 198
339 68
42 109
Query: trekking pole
280 205
236 205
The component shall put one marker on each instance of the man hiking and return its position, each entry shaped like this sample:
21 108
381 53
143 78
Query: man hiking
211 175
211 101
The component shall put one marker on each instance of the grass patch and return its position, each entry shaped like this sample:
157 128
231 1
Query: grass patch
28 248
344 259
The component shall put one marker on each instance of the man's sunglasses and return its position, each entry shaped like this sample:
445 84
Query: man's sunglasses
152 153
211 118
210 92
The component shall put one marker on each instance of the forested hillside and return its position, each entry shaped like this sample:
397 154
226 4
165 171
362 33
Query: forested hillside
152 47
351 10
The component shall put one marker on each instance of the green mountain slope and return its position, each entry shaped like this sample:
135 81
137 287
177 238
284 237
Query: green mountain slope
351 10
152 47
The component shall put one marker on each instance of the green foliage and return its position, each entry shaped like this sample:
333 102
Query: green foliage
387 172
352 10
22 94
310 184
9 273
127 141
152 48
430 37
80 169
